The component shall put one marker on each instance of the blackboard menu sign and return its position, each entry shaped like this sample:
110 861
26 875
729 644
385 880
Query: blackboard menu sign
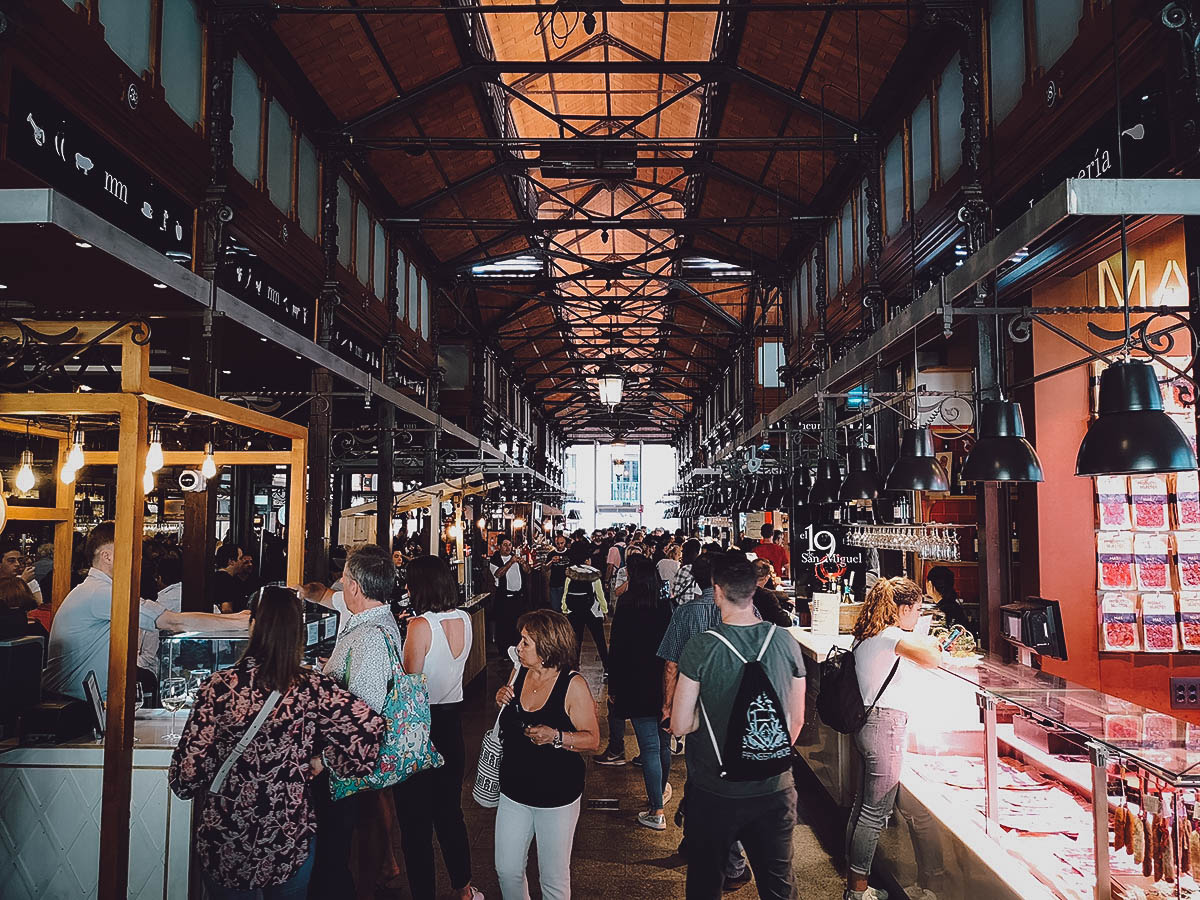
60 149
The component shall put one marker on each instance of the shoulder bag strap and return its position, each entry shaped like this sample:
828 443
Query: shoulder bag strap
766 643
243 743
724 640
708 725
886 682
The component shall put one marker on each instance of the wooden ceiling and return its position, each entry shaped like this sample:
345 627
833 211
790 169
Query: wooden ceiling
451 121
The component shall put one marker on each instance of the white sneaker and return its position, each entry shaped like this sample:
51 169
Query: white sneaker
871 893
668 793
650 820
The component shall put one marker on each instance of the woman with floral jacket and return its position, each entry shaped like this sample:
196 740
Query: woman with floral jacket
258 832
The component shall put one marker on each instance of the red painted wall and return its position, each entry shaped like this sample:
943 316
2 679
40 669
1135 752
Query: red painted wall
1066 517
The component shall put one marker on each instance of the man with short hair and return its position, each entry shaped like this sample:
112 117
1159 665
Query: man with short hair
361 662
226 586
772 552
11 566
615 559
556 563
79 634
761 813
508 569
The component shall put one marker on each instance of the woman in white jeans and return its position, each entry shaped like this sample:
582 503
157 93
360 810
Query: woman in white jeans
549 718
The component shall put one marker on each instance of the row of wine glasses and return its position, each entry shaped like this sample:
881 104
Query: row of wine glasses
177 692
933 541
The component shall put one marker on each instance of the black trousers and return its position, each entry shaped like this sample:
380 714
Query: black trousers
764 825
581 619
507 607
331 876
432 800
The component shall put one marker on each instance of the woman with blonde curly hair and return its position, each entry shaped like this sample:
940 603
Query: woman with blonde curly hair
885 652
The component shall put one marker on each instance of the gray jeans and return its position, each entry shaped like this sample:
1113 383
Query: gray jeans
881 745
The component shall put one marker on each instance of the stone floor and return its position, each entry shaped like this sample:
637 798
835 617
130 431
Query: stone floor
614 856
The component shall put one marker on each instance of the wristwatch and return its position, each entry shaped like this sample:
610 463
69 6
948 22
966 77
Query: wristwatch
558 740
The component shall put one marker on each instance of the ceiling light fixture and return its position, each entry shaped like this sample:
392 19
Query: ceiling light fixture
147 481
918 468
154 454
1002 452
25 478
611 384
209 467
589 22
83 245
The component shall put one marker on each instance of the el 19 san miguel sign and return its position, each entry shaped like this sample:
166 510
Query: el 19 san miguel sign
60 149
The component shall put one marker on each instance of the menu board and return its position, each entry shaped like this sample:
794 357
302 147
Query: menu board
1148 546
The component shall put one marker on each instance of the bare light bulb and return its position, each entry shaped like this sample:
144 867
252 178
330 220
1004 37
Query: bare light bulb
456 532
75 457
209 467
482 523
25 480
154 456
518 522
67 475
147 481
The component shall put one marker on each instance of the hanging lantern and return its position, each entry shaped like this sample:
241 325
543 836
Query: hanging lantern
825 487
917 469
1002 452
862 476
611 384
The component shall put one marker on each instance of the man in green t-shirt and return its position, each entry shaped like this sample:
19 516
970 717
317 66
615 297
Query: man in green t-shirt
761 814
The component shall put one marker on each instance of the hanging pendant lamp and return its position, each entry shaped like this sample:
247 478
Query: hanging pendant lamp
801 486
1132 435
917 469
862 476
1002 453
825 486
773 498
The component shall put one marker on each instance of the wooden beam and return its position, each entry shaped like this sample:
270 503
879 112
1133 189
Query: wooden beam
196 457
55 434
297 490
118 738
181 398
38 514
62 404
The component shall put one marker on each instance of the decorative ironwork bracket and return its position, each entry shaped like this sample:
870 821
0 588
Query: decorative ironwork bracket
36 347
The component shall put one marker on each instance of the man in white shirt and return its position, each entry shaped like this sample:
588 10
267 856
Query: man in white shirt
509 571
10 566
169 576
79 635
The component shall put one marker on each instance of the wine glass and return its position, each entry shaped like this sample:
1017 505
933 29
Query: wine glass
173 693
195 679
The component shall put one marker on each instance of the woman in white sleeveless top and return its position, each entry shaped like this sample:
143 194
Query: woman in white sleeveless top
438 643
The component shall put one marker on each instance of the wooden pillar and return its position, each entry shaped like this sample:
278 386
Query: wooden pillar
199 546
127 569
386 449
64 531
295 511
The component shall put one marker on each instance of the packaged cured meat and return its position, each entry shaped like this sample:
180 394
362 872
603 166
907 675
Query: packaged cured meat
1158 729
1192 738
1160 630
1122 728
1118 622
1187 559
1178 392
1114 552
1189 622
1112 496
1150 557
1187 501
1149 496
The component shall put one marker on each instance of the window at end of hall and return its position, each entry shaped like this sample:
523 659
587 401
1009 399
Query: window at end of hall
770 359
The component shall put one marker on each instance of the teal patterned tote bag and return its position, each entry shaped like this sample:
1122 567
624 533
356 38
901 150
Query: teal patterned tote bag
407 748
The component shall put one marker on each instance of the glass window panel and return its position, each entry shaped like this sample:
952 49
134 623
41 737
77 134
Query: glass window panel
345 209
950 129
247 119
862 223
414 297
127 30
1006 31
831 261
308 188
182 58
794 302
381 263
401 284
279 157
805 297
362 246
1057 23
770 358
893 185
847 241
922 154
426 308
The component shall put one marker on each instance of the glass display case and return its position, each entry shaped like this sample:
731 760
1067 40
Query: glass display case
1001 768
184 654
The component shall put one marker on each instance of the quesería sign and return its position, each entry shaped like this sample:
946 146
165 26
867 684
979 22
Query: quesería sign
69 156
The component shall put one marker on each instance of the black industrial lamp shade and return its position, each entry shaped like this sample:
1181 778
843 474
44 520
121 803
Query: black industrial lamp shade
773 497
1132 435
862 476
917 469
1002 452
825 487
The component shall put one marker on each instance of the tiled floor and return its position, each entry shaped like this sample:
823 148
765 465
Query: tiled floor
614 857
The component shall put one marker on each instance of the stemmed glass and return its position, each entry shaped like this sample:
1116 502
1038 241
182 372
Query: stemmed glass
173 693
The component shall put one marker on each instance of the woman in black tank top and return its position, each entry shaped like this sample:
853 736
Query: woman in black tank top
548 719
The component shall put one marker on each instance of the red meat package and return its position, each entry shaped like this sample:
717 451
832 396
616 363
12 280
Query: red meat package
1187 501
1192 737
1114 553
1122 728
1189 619
1160 629
1149 494
1159 729
1118 622
1187 560
1112 495
1151 561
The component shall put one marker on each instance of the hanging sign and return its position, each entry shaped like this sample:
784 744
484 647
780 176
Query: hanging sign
60 149
367 355
244 275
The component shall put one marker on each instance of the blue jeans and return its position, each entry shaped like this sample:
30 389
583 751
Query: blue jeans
880 743
654 747
295 888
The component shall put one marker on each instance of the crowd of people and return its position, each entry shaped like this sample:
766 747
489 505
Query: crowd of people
695 657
